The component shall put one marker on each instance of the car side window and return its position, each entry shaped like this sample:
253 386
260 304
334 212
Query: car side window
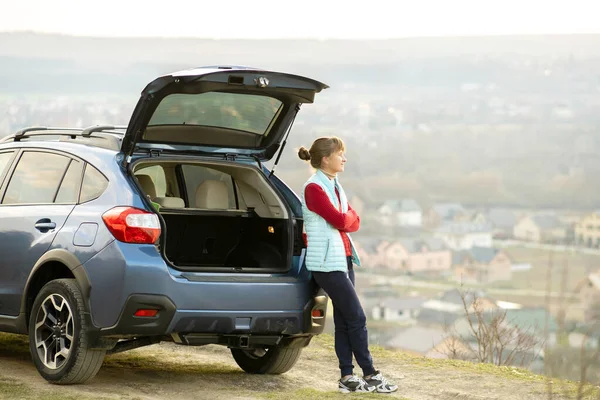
94 184
4 161
36 178
69 187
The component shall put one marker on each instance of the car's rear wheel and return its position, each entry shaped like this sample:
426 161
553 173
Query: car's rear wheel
270 360
58 335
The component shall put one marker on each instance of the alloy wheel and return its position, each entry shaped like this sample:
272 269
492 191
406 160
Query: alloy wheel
54 331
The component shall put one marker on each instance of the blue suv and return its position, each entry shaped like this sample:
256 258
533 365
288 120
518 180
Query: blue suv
168 229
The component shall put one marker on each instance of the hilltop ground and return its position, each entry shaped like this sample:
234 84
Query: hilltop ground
167 371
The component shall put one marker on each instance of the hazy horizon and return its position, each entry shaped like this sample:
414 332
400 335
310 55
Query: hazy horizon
318 39
313 19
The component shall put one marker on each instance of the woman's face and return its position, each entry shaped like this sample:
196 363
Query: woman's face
335 162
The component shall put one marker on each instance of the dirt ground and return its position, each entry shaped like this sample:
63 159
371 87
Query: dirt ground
168 371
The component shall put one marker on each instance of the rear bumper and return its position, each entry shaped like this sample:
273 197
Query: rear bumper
213 305
170 320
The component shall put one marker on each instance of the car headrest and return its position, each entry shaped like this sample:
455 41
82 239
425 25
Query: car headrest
213 195
147 185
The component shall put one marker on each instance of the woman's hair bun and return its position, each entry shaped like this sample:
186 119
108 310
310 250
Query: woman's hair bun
304 154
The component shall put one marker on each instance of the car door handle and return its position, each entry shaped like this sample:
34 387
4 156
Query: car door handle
44 225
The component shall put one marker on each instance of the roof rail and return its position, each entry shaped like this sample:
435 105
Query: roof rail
87 132
21 133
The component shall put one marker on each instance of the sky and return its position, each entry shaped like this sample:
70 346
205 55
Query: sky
322 19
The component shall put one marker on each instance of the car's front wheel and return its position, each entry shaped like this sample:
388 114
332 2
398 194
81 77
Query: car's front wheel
270 360
58 335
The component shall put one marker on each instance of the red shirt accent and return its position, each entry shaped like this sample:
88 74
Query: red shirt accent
318 202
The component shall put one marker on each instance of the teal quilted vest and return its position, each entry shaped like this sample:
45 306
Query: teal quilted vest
325 252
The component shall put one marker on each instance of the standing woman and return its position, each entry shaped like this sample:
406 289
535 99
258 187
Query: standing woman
330 257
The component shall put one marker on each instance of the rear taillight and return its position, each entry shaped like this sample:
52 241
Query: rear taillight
132 225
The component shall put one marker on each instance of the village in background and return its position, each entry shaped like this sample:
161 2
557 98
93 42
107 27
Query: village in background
473 173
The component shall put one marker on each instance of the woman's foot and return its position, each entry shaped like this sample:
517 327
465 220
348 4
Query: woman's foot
356 384
381 384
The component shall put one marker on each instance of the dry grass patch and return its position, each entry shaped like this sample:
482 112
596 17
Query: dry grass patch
175 363
312 394
12 390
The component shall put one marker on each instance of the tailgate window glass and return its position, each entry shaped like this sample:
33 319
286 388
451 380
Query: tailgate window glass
230 111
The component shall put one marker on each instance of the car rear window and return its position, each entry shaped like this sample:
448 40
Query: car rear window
241 112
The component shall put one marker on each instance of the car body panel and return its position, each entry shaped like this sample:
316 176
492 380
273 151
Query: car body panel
21 245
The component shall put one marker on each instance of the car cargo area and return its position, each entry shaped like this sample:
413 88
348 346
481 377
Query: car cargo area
222 216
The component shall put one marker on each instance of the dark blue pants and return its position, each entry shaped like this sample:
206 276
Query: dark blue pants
349 319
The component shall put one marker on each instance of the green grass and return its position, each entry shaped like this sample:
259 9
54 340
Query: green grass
505 372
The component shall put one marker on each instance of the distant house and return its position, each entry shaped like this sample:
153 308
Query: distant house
464 235
455 296
438 313
394 308
542 228
449 308
587 231
424 255
371 251
589 297
472 299
401 213
503 222
479 218
445 212
482 265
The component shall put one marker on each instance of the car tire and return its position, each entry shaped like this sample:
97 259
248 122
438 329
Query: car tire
271 360
58 338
